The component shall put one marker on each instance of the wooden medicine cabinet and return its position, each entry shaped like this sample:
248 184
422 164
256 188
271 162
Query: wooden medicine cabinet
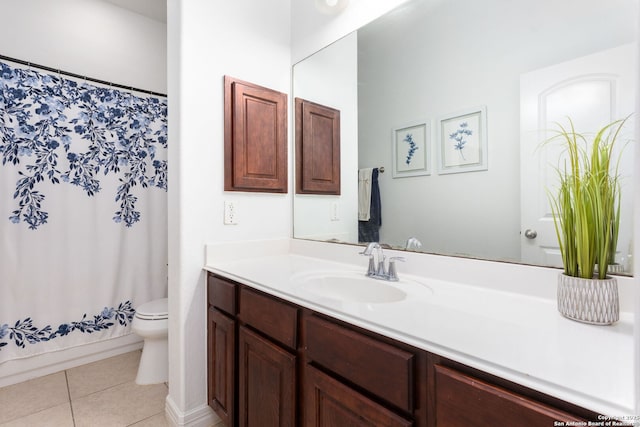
317 148
255 138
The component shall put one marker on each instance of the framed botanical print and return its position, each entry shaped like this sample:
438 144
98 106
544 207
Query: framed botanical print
411 145
462 141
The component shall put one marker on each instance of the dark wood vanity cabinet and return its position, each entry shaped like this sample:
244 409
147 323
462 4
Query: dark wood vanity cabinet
352 378
266 382
329 402
464 400
252 364
222 365
221 345
272 363
463 396
267 361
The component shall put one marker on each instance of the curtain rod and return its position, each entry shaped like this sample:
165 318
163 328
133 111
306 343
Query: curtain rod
78 76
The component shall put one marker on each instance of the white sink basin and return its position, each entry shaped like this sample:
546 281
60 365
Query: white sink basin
350 287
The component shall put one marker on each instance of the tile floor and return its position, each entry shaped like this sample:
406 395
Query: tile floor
99 394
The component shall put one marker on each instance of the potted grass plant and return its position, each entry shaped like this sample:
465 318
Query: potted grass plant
586 211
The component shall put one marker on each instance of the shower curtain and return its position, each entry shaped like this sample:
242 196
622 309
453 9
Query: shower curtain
83 210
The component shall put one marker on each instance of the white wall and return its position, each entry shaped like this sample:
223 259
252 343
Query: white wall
249 40
332 80
311 31
636 238
87 37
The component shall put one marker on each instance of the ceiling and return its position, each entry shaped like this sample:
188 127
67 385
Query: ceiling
154 9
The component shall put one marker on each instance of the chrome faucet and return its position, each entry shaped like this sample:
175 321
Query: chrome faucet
413 244
376 268
376 261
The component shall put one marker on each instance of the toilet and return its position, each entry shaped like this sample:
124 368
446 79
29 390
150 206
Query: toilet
151 322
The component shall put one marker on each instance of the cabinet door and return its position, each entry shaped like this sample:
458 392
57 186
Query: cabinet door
463 401
329 403
267 382
255 137
221 363
317 148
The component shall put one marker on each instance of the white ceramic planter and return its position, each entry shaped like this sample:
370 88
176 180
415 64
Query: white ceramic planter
592 301
615 269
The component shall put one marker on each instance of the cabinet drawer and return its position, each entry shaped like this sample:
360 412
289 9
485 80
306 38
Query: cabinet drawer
222 294
380 368
462 400
273 317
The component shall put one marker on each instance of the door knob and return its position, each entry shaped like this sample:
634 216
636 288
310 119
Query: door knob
530 234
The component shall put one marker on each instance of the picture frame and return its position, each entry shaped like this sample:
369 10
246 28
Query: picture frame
462 141
411 149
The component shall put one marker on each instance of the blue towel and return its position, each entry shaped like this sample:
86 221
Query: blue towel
369 231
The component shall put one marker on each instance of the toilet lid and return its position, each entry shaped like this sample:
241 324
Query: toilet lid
156 309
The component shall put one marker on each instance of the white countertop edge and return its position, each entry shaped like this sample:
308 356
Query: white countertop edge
509 277
570 395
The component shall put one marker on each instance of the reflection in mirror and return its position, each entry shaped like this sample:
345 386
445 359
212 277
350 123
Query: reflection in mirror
525 64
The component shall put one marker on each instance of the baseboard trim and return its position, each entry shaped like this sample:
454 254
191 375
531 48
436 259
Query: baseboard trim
202 416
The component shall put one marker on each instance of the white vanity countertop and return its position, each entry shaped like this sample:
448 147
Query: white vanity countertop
517 336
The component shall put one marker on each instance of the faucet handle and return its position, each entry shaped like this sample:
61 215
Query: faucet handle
393 271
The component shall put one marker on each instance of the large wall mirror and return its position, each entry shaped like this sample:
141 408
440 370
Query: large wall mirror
508 69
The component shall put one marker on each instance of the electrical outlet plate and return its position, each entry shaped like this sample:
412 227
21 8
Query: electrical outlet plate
230 213
335 214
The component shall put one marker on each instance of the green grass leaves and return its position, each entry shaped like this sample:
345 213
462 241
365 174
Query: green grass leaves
586 207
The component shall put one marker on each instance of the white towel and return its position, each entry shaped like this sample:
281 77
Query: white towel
364 194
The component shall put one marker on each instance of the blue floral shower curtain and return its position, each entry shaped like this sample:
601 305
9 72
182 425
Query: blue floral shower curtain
83 214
